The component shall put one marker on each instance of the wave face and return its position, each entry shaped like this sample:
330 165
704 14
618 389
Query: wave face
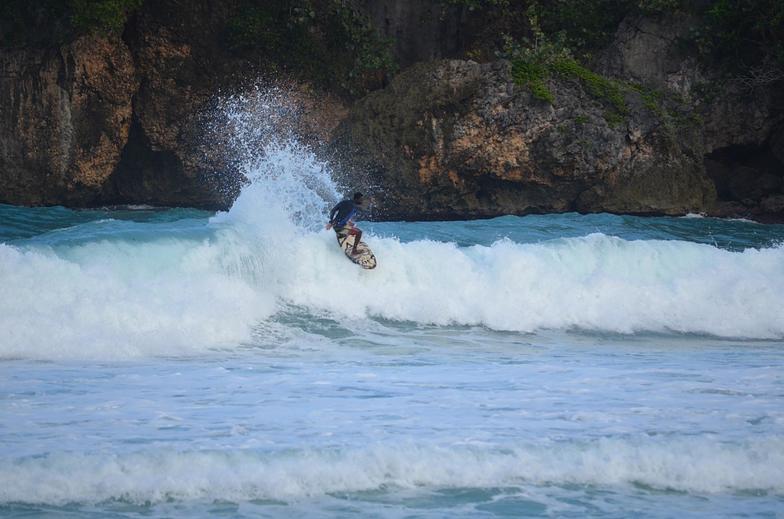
115 288
685 465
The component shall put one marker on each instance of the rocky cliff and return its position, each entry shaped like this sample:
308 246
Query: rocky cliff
457 138
740 121
453 139
66 119
123 117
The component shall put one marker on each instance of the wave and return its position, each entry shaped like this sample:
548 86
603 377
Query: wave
123 299
597 283
139 292
686 464
120 299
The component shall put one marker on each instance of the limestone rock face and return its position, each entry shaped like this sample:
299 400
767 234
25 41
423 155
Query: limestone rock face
162 162
66 116
742 121
420 30
741 118
456 139
777 144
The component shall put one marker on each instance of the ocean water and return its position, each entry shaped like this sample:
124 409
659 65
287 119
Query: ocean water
178 363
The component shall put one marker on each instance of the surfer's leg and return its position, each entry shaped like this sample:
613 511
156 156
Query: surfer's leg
356 232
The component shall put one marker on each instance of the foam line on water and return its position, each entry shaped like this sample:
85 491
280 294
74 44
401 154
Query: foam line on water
700 466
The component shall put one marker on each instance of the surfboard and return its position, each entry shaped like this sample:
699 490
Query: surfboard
364 256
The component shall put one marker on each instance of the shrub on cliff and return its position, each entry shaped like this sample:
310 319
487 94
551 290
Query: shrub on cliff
47 22
537 60
744 39
328 40
540 56
101 15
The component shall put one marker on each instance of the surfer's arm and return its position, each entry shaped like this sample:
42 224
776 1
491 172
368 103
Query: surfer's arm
332 215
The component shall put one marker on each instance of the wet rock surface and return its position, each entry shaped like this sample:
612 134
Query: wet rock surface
741 123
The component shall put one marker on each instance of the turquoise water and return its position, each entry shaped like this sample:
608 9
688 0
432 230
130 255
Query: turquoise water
176 363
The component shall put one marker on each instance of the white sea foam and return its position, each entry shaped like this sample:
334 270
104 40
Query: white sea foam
123 299
595 282
689 465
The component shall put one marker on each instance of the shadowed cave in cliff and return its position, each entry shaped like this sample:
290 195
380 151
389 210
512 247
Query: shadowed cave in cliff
749 175
145 175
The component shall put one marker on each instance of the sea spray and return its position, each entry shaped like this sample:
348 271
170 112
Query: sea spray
284 182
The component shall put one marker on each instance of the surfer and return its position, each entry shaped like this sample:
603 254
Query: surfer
340 219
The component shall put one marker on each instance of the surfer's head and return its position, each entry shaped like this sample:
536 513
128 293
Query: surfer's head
359 198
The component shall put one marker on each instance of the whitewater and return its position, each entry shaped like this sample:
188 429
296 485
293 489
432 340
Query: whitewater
183 363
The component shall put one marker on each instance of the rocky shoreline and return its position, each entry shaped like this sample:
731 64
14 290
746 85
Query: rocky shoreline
121 119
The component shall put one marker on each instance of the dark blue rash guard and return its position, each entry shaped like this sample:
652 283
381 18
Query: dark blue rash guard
342 213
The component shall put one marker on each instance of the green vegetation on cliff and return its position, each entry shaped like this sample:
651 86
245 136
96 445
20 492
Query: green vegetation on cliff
537 61
101 15
538 58
742 38
47 22
328 40
588 25
535 73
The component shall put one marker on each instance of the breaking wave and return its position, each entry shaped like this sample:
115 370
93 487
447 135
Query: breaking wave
688 465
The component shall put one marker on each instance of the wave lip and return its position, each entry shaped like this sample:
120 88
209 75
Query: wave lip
693 465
